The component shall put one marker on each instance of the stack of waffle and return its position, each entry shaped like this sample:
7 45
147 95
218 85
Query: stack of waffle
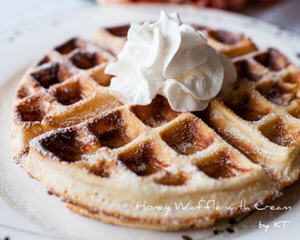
111 161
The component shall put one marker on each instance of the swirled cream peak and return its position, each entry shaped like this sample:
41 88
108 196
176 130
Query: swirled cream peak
171 59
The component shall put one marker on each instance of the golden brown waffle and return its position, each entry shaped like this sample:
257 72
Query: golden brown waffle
62 89
108 160
231 44
261 117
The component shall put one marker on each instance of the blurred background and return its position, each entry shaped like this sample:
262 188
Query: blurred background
285 13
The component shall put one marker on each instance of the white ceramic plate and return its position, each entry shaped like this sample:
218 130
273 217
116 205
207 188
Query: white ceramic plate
28 212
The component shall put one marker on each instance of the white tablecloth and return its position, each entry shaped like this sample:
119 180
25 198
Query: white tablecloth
285 13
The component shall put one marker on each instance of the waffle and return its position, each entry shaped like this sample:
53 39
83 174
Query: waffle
62 89
149 166
231 44
265 112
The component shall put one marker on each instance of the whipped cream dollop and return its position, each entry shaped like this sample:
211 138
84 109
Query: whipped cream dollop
172 59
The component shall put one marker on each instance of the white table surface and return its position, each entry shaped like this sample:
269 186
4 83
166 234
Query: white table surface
285 13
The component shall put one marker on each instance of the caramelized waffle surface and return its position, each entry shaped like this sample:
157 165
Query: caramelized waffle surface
261 117
128 165
65 87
